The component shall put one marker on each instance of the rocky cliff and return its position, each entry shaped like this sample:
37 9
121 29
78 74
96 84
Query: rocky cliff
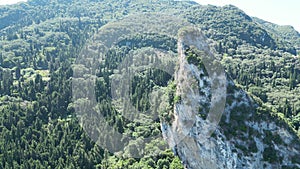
248 134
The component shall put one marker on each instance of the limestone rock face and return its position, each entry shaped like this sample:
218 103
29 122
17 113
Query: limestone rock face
218 125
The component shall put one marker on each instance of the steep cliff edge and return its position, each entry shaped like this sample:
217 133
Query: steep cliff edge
248 135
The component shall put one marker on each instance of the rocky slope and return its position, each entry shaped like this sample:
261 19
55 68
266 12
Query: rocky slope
248 136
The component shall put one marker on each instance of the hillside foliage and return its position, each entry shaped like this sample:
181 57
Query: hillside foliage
40 40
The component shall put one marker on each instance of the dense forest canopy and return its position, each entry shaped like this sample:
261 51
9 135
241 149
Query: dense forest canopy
40 41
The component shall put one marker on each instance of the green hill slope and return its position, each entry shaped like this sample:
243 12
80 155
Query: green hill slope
42 40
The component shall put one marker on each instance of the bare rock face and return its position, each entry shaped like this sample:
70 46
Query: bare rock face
218 125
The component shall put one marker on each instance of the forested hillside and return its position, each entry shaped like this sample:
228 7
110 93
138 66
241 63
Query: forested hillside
285 33
40 41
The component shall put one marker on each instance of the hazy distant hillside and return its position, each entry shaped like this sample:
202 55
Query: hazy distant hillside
285 32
